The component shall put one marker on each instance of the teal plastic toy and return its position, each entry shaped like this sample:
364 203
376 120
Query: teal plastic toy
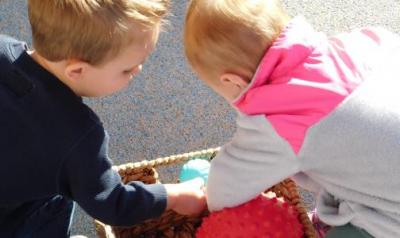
195 168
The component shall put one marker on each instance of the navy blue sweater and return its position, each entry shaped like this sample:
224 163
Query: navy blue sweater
51 143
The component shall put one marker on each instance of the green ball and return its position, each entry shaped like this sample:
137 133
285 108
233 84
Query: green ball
196 168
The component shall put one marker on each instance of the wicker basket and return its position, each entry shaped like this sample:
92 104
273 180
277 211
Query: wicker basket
173 225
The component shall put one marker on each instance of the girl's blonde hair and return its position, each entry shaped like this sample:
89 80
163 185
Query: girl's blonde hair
89 30
231 35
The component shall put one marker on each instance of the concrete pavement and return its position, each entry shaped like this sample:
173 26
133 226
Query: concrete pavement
166 110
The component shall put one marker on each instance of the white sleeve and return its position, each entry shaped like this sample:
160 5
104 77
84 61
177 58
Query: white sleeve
256 159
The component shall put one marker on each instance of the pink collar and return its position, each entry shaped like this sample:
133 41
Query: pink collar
300 79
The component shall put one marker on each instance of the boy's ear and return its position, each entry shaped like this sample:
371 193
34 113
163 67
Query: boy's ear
75 69
230 79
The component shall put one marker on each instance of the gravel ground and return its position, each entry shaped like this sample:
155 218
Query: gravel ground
166 110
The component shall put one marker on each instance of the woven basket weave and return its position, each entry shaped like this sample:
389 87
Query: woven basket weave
173 225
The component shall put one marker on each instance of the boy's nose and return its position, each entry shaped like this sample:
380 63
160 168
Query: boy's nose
137 70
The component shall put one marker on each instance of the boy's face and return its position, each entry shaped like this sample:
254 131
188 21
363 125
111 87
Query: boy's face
116 73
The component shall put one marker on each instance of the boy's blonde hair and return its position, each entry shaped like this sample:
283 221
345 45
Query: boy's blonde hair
231 35
89 30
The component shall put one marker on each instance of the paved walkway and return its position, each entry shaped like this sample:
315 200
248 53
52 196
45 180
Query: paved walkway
166 110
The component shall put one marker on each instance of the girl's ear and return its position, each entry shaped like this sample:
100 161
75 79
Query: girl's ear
75 69
234 80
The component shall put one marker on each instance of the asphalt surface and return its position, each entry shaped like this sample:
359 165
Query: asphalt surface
166 110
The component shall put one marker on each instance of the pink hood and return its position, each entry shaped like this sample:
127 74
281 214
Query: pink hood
304 76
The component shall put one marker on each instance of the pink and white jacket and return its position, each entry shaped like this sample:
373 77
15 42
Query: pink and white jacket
325 112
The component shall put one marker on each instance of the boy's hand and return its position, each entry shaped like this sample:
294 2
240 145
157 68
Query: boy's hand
186 198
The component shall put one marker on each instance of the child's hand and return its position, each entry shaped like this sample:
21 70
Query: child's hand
186 198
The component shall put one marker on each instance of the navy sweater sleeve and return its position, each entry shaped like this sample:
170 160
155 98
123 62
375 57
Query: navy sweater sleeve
88 178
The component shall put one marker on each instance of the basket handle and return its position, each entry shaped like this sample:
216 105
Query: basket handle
170 160
297 201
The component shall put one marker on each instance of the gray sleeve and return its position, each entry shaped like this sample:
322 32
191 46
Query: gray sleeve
253 161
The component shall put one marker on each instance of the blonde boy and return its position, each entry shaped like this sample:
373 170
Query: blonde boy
321 110
54 148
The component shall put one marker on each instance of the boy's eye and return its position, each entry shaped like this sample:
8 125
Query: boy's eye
133 70
128 71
